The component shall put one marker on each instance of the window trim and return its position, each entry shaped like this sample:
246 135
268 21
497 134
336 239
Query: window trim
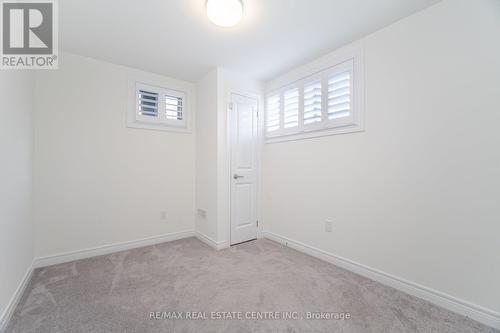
323 70
134 120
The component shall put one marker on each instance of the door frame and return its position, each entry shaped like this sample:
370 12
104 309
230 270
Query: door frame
258 156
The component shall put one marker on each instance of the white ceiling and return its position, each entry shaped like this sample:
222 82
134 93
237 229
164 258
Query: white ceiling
175 38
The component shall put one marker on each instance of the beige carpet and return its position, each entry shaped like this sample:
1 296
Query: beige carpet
117 292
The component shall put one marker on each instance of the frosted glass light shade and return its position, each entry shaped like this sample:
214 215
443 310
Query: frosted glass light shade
225 13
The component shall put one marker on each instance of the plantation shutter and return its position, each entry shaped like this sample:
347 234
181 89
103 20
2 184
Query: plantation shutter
148 103
174 107
291 108
273 113
160 106
312 102
339 95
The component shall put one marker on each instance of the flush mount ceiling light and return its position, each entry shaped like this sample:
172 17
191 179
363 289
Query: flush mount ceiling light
225 13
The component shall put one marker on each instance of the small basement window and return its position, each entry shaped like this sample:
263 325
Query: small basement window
327 102
158 108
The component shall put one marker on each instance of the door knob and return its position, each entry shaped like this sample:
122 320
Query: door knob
235 176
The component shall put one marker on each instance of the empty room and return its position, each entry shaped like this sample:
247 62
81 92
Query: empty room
250 166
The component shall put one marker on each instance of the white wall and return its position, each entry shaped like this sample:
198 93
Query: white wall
206 155
98 182
16 141
416 195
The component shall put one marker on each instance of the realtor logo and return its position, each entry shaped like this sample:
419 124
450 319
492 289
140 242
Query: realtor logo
29 34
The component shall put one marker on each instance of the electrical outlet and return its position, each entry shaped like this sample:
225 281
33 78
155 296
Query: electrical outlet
328 225
202 213
163 215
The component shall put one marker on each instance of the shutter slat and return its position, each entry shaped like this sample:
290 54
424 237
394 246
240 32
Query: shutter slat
340 77
339 100
337 115
148 95
338 94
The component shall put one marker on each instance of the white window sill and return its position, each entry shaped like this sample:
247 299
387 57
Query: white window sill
157 127
314 133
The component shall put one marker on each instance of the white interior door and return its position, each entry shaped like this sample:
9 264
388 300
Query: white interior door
243 132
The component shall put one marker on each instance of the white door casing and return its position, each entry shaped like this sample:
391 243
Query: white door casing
244 143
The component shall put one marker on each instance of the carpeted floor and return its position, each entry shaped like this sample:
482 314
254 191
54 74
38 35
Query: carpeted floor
117 292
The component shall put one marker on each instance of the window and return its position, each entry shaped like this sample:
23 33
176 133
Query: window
325 103
158 108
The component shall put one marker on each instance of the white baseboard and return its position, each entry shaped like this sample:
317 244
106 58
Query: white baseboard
106 249
211 242
11 306
465 308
